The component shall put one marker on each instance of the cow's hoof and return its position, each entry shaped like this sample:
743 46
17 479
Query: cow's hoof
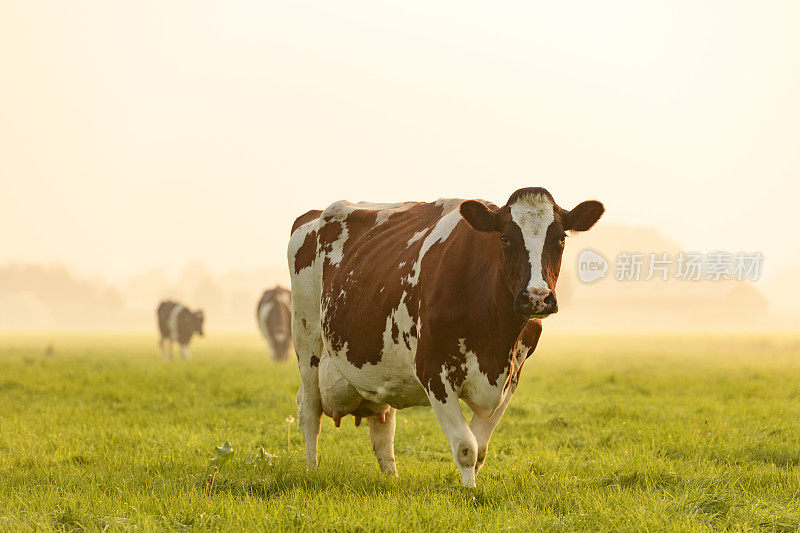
468 478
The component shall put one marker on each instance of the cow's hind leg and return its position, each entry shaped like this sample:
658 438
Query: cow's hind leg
309 402
309 412
381 432
462 442
166 348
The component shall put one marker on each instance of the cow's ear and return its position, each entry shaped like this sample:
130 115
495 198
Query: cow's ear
479 216
583 216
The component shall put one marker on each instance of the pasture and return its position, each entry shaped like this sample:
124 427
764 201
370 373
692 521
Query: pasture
605 432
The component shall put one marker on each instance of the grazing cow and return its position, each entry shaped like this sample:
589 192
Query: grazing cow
408 304
177 323
274 317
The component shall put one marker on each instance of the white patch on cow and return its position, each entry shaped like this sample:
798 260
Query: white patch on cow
305 298
402 319
172 322
392 381
335 391
341 209
534 214
417 236
519 355
263 314
297 240
481 396
337 247
386 212
463 443
448 204
440 232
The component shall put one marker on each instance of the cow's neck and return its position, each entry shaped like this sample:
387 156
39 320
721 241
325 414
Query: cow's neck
509 323
500 322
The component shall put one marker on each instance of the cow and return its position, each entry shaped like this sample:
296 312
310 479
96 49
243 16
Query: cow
274 317
177 323
409 304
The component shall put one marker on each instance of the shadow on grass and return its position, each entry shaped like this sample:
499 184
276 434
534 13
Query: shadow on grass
341 480
643 480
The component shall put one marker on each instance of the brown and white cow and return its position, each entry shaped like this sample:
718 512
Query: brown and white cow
274 317
177 323
396 305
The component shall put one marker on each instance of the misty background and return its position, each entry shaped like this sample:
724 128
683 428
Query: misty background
53 296
162 150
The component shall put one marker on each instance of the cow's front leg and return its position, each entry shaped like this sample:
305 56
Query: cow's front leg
462 442
381 432
483 428
185 351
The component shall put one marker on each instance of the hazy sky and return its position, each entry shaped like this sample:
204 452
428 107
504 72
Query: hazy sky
146 134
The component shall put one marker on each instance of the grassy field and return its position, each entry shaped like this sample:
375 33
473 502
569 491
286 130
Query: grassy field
625 433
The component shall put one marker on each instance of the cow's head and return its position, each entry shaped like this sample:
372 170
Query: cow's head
197 320
531 231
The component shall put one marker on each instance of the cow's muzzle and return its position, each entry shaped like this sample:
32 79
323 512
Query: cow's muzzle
532 304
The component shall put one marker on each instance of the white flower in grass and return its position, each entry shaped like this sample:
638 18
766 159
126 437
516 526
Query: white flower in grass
221 454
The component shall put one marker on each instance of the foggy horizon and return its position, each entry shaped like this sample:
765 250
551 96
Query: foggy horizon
56 295
196 132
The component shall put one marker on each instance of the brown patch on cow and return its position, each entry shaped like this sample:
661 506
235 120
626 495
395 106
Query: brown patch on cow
376 262
305 217
466 300
306 253
530 335
328 233
314 361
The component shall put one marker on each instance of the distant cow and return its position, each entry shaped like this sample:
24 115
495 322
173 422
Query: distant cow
408 304
177 323
274 317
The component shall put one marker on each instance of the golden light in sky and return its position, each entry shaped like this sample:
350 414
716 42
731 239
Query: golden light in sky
149 134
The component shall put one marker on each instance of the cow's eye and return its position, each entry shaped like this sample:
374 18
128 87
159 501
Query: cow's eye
504 240
563 239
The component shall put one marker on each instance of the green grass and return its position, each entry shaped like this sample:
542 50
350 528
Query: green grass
623 433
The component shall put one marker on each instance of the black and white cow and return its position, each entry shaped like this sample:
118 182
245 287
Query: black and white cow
177 323
274 317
